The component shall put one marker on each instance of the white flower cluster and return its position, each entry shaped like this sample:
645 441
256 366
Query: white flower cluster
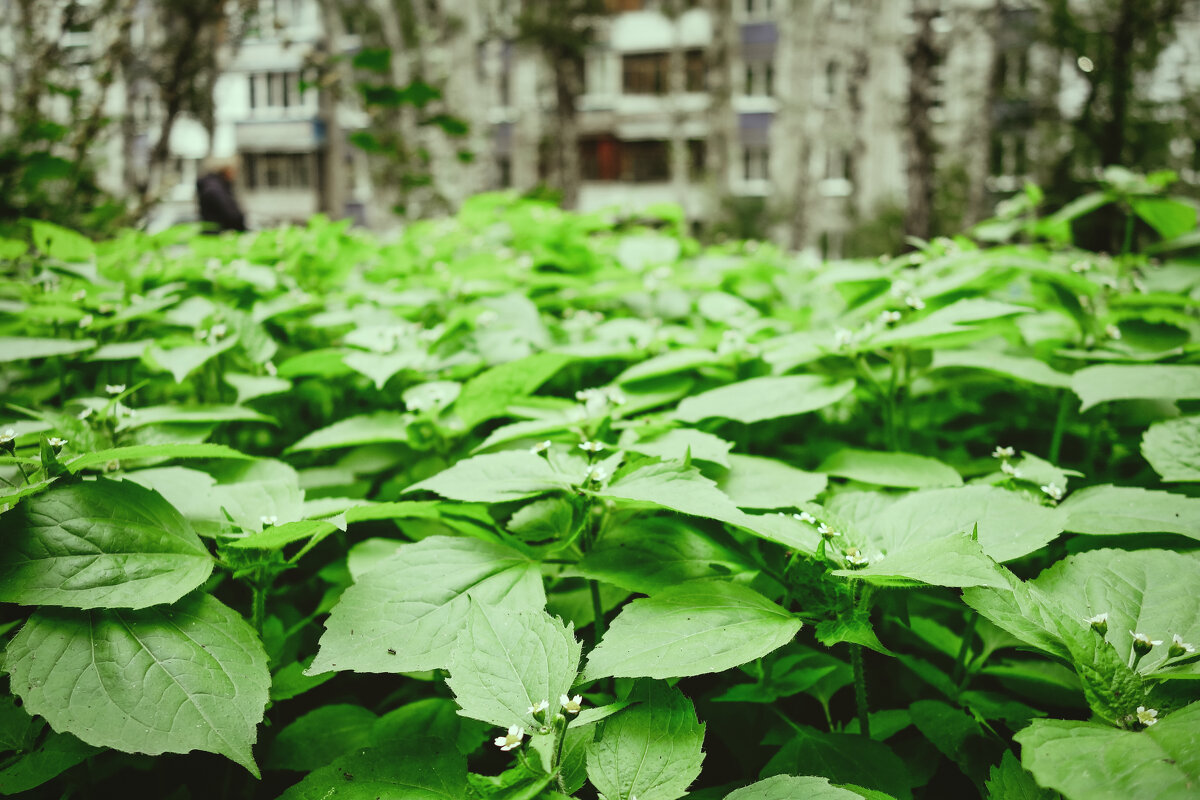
599 400
516 733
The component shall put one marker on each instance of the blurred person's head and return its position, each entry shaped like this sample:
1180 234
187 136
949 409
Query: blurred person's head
224 166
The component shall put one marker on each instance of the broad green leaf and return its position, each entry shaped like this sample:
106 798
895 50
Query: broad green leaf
414 769
1170 218
1030 370
760 399
890 469
1095 761
320 736
691 629
158 415
669 363
757 482
1022 610
957 317
20 348
191 676
434 718
489 394
677 488
381 367
948 561
1010 781
506 662
1112 688
495 478
784 673
251 386
417 601
842 758
677 443
55 754
789 787
156 451
121 351
100 544
650 555
61 243
954 732
380 426
1139 590
1173 448
651 751
183 361
1107 382
1010 525
276 537
1114 510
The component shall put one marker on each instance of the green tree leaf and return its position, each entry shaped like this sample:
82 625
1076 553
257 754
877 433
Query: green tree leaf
249 387
950 561
381 426
23 348
757 482
651 751
495 478
677 443
691 629
1087 759
1173 448
678 488
1030 370
416 602
890 469
765 398
1170 218
1108 382
100 544
320 736
1010 781
669 363
489 394
1114 510
789 787
192 676
157 451
159 415
649 555
414 769
842 758
56 753
505 662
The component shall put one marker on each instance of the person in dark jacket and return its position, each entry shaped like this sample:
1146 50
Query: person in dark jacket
214 194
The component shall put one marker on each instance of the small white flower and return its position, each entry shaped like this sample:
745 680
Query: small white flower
827 531
592 447
271 370
1147 716
1142 643
540 448
842 337
8 435
1080 266
82 415
1054 491
217 331
269 520
890 317
80 295
86 321
1008 469
114 388
1113 332
596 473
914 302
539 707
54 441
855 558
1179 647
1003 452
511 739
1098 619
571 705
804 516
486 317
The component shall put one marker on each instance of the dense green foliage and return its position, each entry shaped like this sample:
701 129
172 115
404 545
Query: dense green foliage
528 504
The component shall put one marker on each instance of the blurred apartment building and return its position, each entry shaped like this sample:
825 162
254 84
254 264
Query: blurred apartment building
816 124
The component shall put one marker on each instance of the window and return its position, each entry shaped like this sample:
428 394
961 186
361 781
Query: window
277 170
696 77
644 73
645 161
697 155
275 90
833 74
1008 155
252 80
600 158
760 79
504 171
755 163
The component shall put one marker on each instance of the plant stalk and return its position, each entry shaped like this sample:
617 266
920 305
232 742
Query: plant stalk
860 689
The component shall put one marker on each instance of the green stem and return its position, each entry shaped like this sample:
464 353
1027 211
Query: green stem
597 611
960 662
860 689
1127 245
1060 424
258 602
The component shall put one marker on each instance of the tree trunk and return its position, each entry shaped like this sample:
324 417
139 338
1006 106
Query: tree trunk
676 87
722 133
1112 146
332 199
922 57
568 86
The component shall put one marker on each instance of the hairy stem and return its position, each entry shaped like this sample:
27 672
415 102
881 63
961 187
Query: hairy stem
860 689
